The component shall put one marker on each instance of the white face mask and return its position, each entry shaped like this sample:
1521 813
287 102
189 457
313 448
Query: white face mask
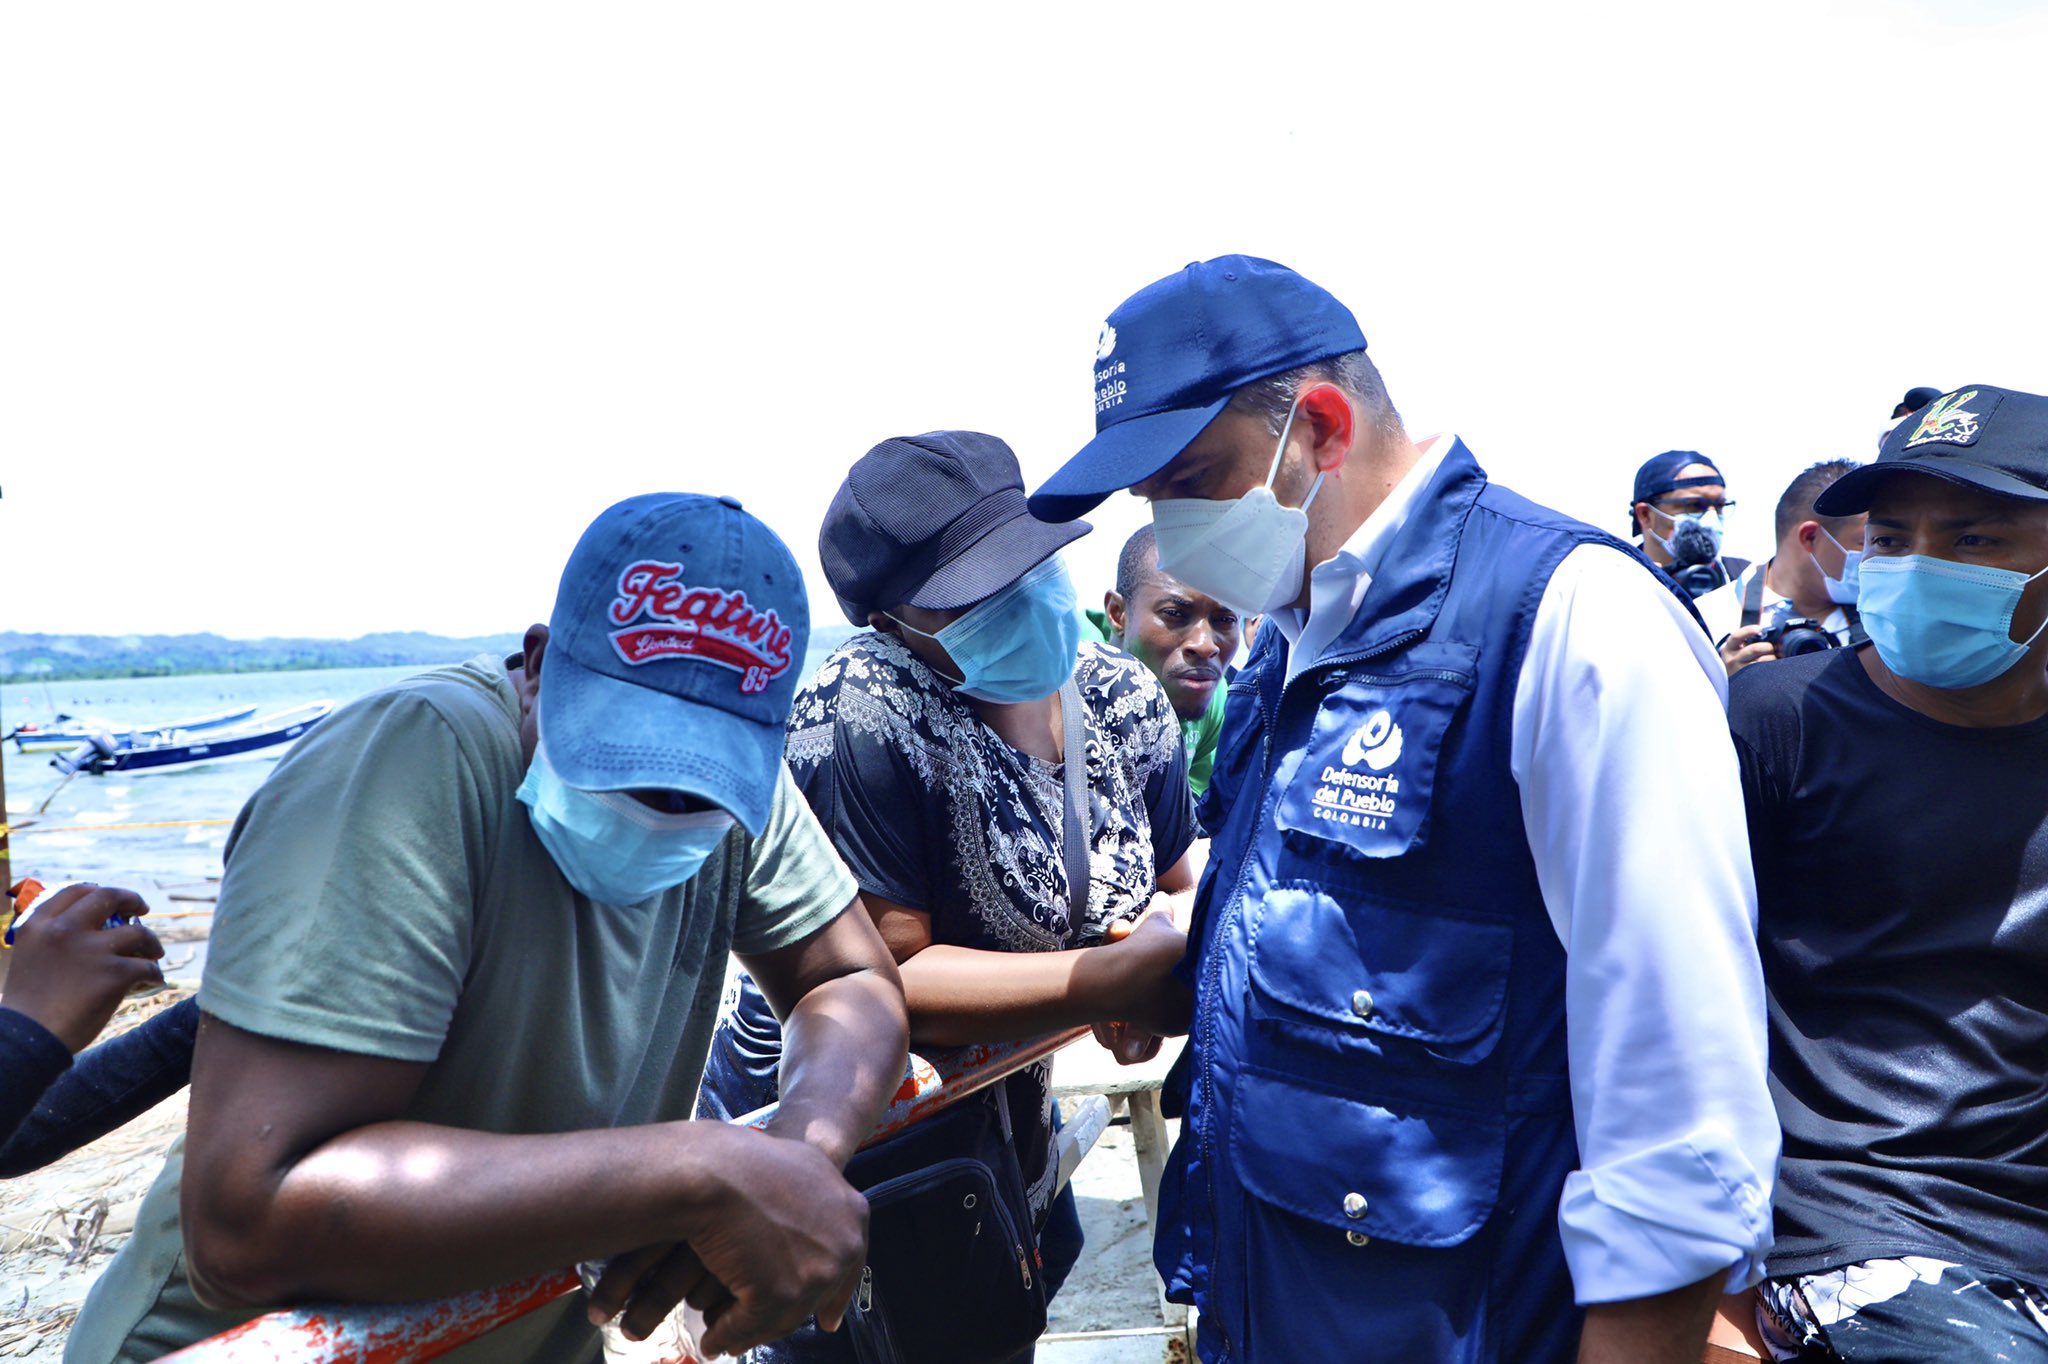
1713 521
1250 553
1842 590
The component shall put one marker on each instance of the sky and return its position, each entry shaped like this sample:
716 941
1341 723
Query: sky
324 320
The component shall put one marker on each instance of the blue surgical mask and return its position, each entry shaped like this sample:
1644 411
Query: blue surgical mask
609 846
1941 623
1020 644
1842 590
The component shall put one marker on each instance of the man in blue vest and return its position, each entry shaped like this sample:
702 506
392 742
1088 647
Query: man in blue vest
1477 1064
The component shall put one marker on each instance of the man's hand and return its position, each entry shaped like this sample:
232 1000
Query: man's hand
1741 648
844 1030
69 973
782 1236
647 1284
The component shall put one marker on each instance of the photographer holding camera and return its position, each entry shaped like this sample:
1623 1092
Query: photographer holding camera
1803 598
1678 513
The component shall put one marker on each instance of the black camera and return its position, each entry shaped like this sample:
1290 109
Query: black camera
1798 635
1698 579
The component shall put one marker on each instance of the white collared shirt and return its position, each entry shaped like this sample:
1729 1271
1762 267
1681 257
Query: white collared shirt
1721 608
1632 805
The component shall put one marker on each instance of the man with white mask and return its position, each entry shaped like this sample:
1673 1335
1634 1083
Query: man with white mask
1898 811
1801 599
1465 1053
466 967
1680 513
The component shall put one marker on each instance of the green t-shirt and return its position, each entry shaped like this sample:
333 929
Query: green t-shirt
1199 734
384 894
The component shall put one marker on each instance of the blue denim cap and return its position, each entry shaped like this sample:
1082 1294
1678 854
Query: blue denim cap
1980 435
673 654
1170 356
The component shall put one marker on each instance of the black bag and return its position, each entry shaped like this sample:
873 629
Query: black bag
953 1273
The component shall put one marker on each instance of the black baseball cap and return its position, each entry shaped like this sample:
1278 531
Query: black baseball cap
937 521
1915 399
1990 438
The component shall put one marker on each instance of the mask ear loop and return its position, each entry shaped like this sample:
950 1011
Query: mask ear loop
1280 451
2016 606
960 681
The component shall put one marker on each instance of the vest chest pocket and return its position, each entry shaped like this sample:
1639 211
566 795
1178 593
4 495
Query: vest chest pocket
1406 988
1367 774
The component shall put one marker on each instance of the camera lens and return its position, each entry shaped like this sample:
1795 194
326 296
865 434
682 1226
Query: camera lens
1804 641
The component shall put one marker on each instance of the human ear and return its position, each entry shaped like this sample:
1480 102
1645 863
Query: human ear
1113 606
532 648
1332 424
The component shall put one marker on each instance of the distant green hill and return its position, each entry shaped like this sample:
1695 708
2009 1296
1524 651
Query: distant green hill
28 658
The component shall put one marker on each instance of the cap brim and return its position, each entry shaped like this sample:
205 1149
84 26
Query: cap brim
1853 492
606 735
1006 553
1123 456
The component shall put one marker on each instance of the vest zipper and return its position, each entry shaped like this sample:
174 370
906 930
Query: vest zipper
1214 969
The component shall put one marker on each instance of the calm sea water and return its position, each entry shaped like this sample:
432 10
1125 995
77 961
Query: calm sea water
89 830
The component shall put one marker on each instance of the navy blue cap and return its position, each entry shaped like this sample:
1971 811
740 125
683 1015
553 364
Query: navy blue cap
1990 438
1659 475
1171 355
937 521
673 654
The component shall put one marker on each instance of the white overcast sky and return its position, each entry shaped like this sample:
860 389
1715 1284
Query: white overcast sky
318 320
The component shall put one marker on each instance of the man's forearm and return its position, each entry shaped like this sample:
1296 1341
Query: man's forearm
401 1210
844 1046
1670 1328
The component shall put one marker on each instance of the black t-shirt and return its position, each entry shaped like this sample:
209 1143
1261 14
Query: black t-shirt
1902 888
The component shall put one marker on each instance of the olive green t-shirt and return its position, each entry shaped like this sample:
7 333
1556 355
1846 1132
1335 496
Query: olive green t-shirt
384 894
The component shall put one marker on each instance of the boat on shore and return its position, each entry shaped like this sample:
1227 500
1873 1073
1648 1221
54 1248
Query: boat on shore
67 732
167 749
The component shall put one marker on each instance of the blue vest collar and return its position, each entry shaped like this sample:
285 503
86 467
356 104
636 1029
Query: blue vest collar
1415 571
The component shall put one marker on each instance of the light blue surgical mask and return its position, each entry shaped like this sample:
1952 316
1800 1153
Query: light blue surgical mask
1842 590
1941 623
1020 644
609 846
